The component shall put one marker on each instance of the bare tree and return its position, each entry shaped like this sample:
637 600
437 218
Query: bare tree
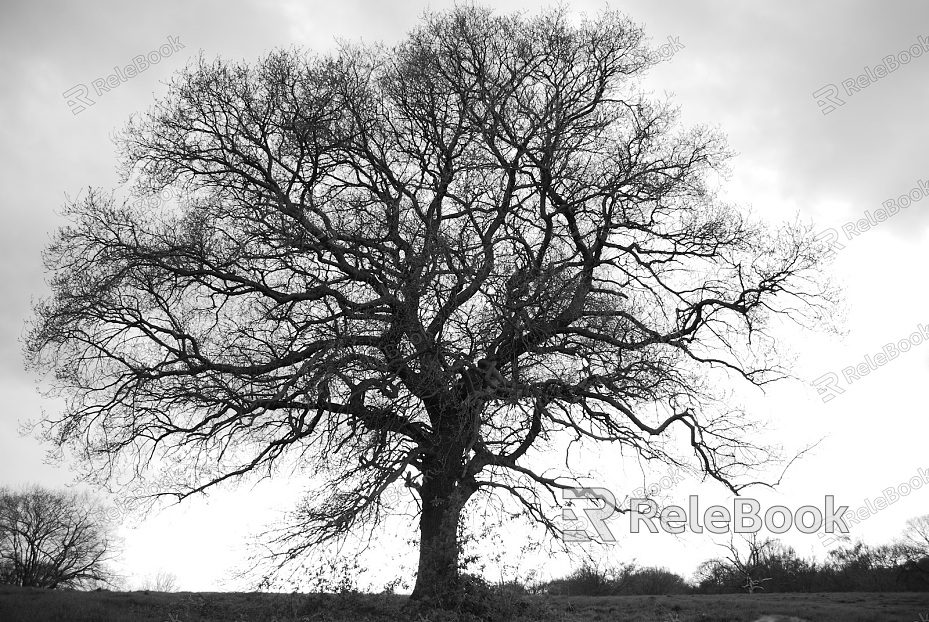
418 267
912 551
916 534
161 581
53 539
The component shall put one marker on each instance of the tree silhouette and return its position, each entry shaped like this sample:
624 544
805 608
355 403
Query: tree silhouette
418 267
161 581
916 534
52 539
913 552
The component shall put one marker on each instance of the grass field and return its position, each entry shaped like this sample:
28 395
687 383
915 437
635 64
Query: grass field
35 605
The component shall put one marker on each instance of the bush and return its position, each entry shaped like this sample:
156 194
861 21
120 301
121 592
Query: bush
475 599
624 580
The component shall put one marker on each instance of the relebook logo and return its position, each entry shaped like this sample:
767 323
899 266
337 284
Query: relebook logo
745 516
78 96
717 519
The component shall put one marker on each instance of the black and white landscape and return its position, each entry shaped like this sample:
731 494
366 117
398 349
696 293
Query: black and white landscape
451 311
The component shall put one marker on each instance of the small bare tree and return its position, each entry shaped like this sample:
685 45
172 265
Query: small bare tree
161 581
53 539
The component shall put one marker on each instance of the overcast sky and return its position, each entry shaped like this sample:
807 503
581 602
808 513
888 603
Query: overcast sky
750 68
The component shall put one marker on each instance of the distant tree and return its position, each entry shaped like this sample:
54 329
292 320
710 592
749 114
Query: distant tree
625 579
591 579
714 576
652 580
756 565
863 567
913 549
788 571
420 267
53 539
161 581
916 535
749 565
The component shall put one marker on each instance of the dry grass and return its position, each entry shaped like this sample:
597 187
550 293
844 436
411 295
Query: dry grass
34 605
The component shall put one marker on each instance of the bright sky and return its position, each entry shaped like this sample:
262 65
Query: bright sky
749 68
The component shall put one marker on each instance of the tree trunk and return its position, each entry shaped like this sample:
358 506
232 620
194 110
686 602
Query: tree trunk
443 499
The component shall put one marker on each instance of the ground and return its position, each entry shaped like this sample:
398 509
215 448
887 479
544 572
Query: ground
36 605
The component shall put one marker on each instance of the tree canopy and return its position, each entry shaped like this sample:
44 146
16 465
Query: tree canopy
419 266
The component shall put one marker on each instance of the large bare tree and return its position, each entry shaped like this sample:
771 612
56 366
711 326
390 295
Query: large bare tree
418 266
